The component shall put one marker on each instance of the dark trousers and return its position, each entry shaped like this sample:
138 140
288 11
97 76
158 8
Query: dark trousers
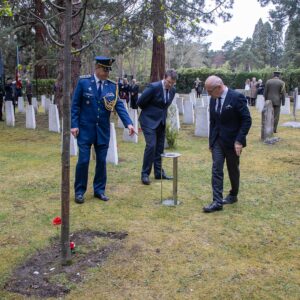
1 106
82 169
155 141
276 117
219 154
29 97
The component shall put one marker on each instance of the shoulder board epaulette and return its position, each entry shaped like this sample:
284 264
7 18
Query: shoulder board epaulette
85 76
111 81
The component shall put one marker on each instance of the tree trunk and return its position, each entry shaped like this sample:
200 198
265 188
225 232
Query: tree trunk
76 59
41 67
65 180
158 41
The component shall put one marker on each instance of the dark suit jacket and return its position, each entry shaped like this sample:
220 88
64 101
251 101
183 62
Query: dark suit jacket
234 121
152 103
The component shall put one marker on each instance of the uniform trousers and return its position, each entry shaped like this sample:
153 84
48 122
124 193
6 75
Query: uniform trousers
82 168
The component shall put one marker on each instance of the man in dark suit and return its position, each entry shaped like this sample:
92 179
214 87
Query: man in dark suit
275 91
95 97
134 94
154 103
230 122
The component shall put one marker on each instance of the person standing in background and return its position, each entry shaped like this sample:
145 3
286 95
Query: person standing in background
28 91
275 91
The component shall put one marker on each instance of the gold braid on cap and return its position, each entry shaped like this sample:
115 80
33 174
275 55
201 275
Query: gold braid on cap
110 105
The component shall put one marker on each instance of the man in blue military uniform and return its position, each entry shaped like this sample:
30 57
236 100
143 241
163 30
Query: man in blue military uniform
95 97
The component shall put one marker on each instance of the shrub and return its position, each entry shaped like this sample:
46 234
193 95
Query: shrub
171 136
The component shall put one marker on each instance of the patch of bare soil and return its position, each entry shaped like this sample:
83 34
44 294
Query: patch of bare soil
43 275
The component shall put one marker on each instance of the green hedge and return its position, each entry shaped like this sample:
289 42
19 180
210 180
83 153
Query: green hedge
44 86
187 77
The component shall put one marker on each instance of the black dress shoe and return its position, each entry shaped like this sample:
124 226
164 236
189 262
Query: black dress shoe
145 180
79 199
164 176
214 206
230 199
101 197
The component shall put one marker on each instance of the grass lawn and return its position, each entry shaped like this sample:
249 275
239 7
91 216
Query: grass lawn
250 250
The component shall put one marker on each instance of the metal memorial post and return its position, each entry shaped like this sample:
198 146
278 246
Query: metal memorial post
174 200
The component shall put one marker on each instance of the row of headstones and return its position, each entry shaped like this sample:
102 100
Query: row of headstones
53 116
45 102
194 111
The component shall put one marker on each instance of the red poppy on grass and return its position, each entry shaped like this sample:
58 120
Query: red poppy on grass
72 245
56 221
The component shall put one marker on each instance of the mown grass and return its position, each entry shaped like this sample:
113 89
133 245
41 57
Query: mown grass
248 251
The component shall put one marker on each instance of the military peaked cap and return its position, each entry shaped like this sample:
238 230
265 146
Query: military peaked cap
105 62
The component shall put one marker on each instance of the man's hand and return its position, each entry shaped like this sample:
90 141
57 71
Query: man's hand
75 132
131 130
238 148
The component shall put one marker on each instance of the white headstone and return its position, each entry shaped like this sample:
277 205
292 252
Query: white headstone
35 104
9 113
54 124
73 146
285 109
202 121
134 138
192 98
112 153
43 99
47 105
179 102
205 100
21 107
30 117
173 117
120 123
260 103
298 102
188 116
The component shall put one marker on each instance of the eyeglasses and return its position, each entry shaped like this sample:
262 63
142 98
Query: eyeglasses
212 89
170 82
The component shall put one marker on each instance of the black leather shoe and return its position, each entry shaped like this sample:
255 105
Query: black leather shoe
164 176
101 197
214 206
79 199
230 199
145 180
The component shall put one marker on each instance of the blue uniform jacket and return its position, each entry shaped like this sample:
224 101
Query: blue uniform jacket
152 103
88 112
234 121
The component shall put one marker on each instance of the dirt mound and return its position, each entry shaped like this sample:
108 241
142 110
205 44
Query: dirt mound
43 275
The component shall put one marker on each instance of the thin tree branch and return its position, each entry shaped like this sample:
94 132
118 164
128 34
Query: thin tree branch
49 34
82 21
56 6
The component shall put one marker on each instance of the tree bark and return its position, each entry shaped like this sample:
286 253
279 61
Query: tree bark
158 41
65 180
41 67
76 59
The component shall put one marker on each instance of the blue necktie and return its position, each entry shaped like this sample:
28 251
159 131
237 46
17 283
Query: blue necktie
167 96
219 105
100 87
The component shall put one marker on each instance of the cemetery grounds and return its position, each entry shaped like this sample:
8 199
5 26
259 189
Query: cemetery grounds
250 250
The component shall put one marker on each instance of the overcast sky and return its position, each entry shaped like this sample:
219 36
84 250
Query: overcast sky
246 14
